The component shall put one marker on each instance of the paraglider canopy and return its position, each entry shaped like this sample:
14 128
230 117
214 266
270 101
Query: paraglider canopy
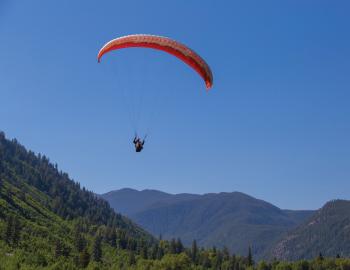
165 44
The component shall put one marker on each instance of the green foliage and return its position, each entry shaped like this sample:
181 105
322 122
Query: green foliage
84 258
175 262
96 249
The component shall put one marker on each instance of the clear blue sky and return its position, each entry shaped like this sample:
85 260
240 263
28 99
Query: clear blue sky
276 124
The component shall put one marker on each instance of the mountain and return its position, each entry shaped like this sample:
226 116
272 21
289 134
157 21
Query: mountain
46 218
234 220
128 201
47 221
327 231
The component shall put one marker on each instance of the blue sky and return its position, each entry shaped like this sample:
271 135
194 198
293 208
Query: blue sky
276 124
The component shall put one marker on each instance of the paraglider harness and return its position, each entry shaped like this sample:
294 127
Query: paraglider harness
138 143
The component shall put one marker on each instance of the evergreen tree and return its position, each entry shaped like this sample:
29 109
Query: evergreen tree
121 239
172 246
154 252
226 254
96 249
179 246
66 250
250 257
131 259
132 244
320 257
9 230
59 250
232 262
160 253
264 266
144 252
113 238
79 241
237 266
218 260
12 230
205 261
84 258
16 231
194 251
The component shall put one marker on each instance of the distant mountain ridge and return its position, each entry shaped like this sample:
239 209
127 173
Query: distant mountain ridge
235 220
129 201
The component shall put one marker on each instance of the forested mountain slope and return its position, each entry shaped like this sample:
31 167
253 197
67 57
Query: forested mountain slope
326 232
48 222
41 209
234 220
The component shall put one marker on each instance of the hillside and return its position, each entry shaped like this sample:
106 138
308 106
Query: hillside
327 231
41 209
47 221
235 220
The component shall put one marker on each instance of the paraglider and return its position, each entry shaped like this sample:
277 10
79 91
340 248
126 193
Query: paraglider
165 44
138 143
170 46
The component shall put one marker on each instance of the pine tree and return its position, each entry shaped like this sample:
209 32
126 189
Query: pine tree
131 259
65 250
113 237
144 252
16 231
218 260
160 253
226 254
153 252
250 257
232 262
9 230
194 251
84 258
131 245
79 241
179 246
121 239
173 246
58 249
320 256
205 261
237 266
96 249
